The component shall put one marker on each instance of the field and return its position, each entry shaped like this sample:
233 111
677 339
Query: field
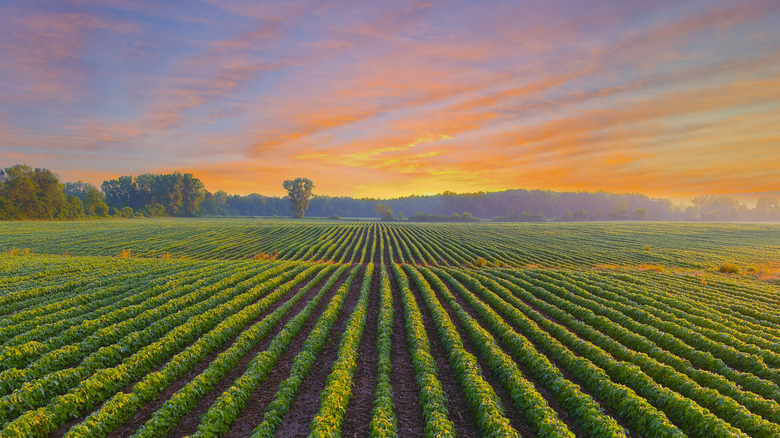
274 327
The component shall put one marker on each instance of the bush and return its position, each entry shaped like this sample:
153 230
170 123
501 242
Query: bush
729 268
480 262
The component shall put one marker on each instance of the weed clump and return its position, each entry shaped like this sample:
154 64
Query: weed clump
729 268
480 262
18 251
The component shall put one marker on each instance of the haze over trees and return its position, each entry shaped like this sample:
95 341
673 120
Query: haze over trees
27 193
385 213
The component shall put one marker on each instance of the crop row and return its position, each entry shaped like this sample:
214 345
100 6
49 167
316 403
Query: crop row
570 352
554 245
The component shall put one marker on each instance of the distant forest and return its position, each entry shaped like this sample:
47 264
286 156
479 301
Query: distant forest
27 193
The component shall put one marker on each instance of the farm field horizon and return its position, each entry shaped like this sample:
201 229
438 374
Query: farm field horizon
279 327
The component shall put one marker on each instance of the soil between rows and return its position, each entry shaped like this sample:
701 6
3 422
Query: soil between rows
406 394
568 375
70 423
563 414
307 403
252 414
375 240
145 413
358 415
189 424
510 411
385 255
457 406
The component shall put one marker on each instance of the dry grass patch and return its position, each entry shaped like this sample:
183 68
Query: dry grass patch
264 256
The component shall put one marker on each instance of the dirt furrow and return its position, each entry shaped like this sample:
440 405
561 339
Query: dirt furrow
307 402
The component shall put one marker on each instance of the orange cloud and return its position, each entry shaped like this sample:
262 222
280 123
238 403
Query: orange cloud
372 99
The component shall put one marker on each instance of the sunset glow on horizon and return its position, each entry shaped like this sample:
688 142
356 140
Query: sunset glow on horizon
670 99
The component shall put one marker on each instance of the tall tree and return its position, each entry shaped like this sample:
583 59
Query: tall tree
385 213
299 193
28 193
93 201
120 192
192 194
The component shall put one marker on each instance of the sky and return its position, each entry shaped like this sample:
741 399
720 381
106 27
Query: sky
672 99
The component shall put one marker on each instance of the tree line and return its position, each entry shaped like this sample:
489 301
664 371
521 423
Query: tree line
27 193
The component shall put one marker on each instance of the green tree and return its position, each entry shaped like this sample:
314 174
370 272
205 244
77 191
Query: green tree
638 214
385 212
154 210
94 202
220 198
712 208
92 199
618 211
581 215
27 193
299 193
73 208
120 192
192 194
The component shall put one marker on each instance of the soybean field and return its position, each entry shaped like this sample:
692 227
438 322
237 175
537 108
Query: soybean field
286 328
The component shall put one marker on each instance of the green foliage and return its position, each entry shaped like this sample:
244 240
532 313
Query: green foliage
299 193
455 217
179 194
385 213
618 211
154 210
338 389
27 193
525 216
638 214
384 423
678 352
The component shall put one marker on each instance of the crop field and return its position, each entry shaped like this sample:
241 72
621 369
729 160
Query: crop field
274 327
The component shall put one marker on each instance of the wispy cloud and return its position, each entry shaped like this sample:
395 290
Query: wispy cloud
669 98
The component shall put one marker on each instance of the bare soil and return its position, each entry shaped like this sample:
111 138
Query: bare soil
406 394
457 406
307 402
358 415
